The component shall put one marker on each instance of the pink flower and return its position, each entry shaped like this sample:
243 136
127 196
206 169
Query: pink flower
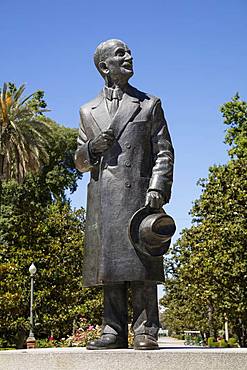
90 328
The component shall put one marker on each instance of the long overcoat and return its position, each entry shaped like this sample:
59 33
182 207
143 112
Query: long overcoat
140 159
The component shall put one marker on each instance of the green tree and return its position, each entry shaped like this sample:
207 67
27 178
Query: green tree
54 242
23 136
235 116
207 268
37 224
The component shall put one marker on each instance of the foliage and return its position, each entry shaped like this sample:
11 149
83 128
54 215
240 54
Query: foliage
83 334
37 224
212 343
23 136
60 173
207 267
235 116
82 337
232 342
223 343
192 340
54 243
47 343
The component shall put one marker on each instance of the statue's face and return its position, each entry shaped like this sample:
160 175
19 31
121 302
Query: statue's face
118 62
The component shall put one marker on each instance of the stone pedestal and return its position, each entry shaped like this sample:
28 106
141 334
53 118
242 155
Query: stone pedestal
127 359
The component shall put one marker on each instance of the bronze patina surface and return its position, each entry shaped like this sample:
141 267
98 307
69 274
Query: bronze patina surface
125 143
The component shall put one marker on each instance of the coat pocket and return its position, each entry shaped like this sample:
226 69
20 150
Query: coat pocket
140 124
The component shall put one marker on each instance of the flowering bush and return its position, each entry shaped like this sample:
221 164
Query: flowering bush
82 336
51 343
83 333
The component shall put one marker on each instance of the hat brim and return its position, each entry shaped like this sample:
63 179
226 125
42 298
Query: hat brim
133 231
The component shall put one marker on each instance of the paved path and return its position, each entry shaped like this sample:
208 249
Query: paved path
170 342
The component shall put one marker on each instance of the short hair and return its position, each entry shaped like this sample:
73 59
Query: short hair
100 52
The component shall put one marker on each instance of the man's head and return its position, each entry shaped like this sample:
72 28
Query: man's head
113 60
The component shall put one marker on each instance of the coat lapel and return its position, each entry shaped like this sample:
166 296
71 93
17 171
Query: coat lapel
127 110
100 114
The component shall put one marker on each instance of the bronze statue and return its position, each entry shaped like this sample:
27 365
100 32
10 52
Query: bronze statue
124 142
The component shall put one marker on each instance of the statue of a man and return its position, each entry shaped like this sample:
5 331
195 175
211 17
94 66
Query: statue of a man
124 142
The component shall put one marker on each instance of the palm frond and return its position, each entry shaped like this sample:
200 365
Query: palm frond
19 92
5 87
24 138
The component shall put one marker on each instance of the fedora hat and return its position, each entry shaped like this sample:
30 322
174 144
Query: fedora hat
150 231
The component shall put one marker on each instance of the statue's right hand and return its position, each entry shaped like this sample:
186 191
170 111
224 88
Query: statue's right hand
102 142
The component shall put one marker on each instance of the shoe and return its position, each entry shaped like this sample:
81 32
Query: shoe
145 341
108 341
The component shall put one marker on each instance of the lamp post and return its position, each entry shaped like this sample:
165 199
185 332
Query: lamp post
31 341
226 328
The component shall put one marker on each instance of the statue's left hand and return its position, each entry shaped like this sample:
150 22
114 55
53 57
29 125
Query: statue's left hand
154 199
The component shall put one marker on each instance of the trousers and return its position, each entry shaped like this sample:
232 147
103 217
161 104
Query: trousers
145 309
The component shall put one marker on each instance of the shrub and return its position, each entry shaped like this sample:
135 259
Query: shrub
212 343
233 342
82 336
223 343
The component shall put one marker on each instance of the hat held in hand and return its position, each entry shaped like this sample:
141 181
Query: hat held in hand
150 231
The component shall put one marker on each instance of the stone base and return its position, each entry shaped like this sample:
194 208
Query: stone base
126 359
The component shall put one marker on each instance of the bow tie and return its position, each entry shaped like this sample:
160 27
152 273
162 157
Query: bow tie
111 94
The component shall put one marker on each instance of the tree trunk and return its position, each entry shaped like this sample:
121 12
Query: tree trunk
210 320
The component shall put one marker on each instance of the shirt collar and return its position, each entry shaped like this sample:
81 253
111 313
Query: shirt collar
111 93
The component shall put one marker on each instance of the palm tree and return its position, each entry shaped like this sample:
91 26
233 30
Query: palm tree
23 134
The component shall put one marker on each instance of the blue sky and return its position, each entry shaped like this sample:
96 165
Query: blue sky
192 54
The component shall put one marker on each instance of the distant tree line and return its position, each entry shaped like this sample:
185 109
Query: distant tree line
206 271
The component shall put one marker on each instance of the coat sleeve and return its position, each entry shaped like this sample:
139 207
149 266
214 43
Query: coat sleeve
163 154
83 160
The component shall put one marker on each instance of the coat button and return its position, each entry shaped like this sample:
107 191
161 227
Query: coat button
127 184
128 145
127 164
